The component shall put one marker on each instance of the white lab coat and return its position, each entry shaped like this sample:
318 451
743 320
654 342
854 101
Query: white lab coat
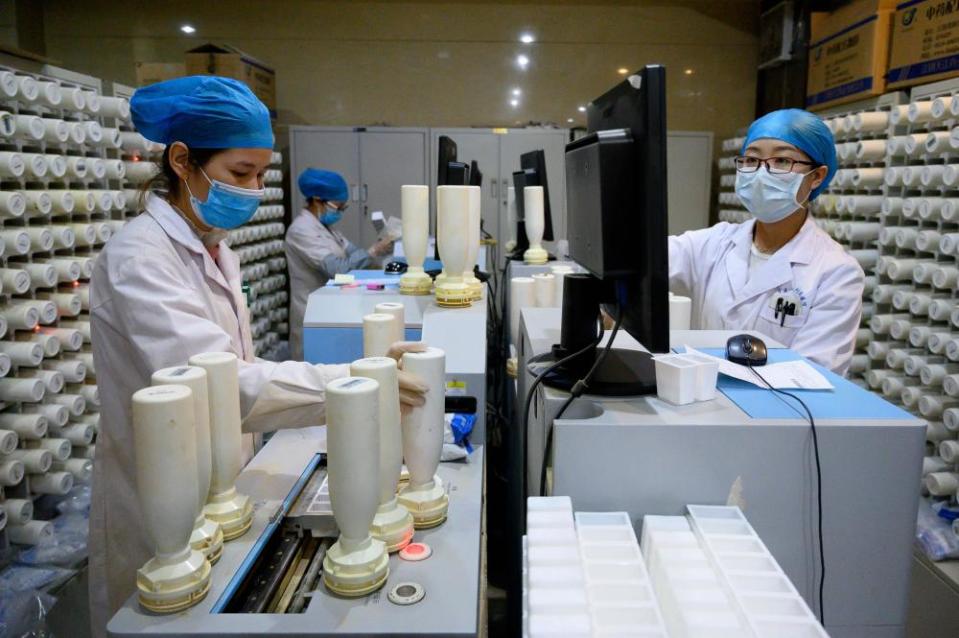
314 254
712 267
157 297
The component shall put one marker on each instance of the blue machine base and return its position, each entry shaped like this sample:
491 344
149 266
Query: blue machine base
340 345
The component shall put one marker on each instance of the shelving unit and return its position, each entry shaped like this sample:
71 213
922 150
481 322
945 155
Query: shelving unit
730 208
259 245
65 146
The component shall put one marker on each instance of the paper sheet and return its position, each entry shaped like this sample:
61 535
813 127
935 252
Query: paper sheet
787 375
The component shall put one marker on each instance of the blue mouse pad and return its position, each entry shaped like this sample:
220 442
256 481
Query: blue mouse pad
846 401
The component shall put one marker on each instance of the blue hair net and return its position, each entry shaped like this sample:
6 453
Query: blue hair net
325 185
202 111
803 130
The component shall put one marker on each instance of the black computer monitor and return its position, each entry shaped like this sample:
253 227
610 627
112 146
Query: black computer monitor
476 176
446 153
617 230
522 242
534 164
457 174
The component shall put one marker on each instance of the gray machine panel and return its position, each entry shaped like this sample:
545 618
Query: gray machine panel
460 332
646 456
451 577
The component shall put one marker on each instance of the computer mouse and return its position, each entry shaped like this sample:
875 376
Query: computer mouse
395 267
746 350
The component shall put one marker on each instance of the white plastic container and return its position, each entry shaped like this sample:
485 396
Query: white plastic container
676 379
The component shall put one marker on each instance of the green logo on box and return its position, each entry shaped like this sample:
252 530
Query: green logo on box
908 17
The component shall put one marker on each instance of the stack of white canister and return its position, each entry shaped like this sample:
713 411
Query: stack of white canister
259 246
65 148
908 348
730 208
911 346
851 209
542 290
894 205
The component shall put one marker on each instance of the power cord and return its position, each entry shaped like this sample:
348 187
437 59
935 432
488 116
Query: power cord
532 391
815 442
577 390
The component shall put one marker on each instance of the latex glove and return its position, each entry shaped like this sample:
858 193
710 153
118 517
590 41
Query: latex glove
381 248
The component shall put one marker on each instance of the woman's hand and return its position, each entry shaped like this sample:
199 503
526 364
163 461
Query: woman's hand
381 248
412 386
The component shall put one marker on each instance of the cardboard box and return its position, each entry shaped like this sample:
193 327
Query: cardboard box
849 53
153 72
227 61
925 42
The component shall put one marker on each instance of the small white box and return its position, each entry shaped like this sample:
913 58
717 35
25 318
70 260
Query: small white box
676 379
549 504
707 374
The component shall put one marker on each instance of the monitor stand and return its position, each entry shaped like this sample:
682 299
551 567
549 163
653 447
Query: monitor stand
622 373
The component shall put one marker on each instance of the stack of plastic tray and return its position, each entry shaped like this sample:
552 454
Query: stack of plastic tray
554 592
618 588
714 577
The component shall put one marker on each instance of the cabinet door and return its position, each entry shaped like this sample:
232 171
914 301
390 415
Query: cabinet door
481 145
388 160
689 157
553 143
334 149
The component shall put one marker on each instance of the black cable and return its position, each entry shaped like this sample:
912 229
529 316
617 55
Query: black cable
815 442
577 390
532 390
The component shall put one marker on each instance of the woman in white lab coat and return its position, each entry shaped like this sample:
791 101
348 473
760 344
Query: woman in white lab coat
167 287
315 250
778 274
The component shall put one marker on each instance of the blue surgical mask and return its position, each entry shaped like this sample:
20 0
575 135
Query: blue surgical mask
226 206
769 197
330 217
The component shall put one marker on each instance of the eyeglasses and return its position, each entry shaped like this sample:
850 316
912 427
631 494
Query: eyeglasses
775 165
338 209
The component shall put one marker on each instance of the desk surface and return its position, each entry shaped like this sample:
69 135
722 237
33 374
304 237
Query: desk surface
451 576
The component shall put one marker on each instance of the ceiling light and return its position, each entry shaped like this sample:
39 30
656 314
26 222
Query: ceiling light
570 120
522 61
517 92
688 71
527 38
188 29
622 70
514 103
582 109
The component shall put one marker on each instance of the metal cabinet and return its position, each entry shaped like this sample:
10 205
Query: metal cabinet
375 162
481 146
335 149
689 169
497 153
553 142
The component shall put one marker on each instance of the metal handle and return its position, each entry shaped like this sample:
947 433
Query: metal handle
356 192
366 192
494 191
366 211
